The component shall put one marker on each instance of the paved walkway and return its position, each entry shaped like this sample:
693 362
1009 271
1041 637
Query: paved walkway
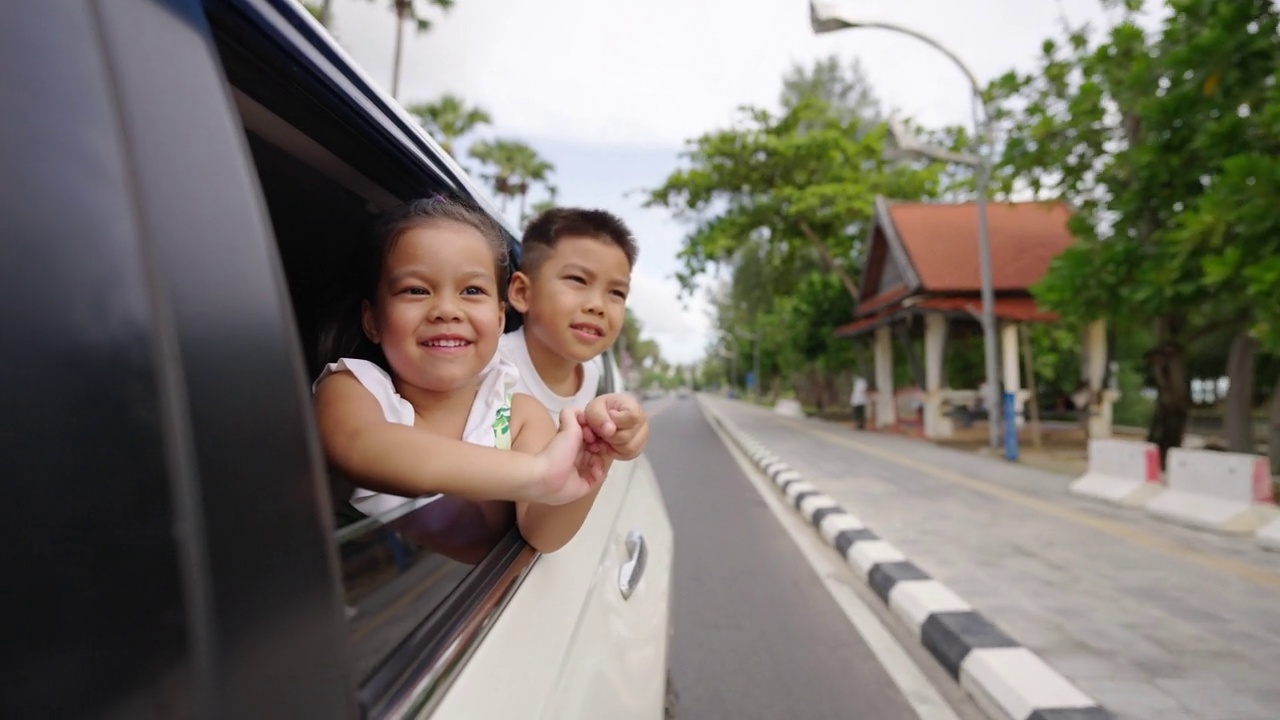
1150 619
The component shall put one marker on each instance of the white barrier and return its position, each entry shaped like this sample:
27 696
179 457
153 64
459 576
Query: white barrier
1269 535
1214 490
1121 472
789 408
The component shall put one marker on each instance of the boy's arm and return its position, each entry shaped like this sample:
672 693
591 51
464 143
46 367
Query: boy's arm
386 457
546 527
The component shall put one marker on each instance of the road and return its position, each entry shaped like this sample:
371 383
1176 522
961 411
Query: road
758 632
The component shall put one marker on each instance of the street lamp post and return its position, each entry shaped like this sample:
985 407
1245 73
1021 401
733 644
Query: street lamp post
825 19
756 362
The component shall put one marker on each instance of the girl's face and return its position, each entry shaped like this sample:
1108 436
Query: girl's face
437 314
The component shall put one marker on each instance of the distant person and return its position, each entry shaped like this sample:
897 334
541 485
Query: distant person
858 399
1081 397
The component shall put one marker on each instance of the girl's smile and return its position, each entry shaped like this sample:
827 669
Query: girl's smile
437 313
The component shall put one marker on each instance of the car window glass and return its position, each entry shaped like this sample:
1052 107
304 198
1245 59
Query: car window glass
392 579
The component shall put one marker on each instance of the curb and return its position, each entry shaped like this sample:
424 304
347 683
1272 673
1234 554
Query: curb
1006 679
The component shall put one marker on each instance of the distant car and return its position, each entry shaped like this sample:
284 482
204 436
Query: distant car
184 184
684 392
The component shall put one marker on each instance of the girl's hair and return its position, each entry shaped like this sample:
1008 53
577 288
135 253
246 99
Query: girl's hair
343 335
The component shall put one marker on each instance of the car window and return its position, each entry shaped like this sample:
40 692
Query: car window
326 164
391 584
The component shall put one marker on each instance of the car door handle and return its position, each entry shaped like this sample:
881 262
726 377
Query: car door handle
633 569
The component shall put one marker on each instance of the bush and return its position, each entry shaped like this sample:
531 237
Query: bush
1132 409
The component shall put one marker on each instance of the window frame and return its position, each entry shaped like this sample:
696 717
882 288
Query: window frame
297 57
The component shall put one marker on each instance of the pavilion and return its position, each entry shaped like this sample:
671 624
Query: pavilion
922 269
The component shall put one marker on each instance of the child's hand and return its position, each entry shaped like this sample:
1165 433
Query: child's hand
569 470
619 422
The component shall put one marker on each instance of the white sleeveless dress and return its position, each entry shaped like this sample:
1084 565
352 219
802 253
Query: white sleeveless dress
488 423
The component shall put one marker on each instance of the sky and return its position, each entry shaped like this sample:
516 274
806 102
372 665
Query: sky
610 90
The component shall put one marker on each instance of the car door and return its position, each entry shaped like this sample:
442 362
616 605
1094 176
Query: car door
572 643
164 529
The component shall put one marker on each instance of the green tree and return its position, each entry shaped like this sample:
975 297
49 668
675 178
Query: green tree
512 168
407 12
414 14
449 118
1233 52
843 88
544 204
782 200
800 182
644 352
1113 127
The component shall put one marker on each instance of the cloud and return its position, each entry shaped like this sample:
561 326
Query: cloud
681 327
609 90
654 73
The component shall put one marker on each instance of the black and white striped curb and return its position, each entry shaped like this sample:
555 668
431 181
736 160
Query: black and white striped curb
1006 679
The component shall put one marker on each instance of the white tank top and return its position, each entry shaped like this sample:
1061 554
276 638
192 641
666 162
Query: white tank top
514 348
488 423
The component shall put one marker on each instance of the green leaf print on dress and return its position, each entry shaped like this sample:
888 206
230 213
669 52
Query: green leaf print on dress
502 426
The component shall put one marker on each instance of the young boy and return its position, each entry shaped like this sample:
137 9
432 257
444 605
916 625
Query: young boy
572 290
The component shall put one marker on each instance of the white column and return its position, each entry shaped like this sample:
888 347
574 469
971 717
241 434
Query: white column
1011 366
886 408
1095 368
936 424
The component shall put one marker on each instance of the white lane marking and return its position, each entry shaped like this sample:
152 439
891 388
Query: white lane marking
923 697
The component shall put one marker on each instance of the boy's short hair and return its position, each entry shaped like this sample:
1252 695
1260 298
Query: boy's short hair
547 229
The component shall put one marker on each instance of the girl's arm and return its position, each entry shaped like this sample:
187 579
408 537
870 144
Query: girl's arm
386 457
547 528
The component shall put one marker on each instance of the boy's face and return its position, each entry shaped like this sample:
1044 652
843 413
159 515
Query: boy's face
574 303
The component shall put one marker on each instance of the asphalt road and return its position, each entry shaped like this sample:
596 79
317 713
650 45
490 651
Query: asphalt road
756 633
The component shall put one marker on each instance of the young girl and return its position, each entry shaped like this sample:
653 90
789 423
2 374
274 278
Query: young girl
410 378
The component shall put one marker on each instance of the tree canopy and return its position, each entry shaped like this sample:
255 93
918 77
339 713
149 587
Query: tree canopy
449 118
1161 141
800 181
782 199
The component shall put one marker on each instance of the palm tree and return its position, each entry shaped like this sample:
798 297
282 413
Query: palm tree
403 9
448 118
546 203
407 10
512 168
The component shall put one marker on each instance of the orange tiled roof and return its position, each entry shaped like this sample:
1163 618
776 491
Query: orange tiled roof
1018 309
888 297
942 241
1021 309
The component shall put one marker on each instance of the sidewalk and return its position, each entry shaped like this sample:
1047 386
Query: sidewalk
1152 620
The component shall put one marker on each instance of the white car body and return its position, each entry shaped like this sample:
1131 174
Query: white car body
568 645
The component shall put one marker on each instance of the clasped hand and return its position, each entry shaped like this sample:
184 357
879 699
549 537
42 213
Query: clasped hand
611 427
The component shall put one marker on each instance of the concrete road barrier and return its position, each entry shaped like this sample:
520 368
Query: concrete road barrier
1214 490
1269 535
789 408
1121 472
